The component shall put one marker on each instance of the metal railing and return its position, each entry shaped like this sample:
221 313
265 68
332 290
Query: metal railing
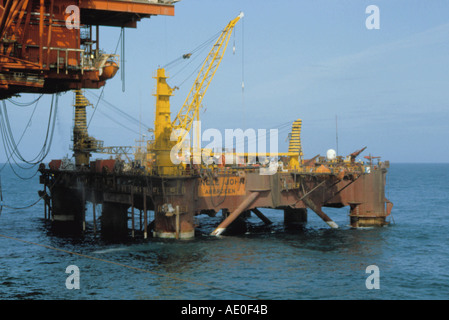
85 59
66 60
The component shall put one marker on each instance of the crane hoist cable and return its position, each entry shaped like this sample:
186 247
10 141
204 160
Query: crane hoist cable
191 74
196 54
187 55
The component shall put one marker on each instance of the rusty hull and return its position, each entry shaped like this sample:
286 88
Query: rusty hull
175 201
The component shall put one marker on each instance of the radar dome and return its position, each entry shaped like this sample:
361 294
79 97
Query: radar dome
331 154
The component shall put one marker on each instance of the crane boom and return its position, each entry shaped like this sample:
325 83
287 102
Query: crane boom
190 109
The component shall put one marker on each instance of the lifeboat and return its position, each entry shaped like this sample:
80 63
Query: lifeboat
109 70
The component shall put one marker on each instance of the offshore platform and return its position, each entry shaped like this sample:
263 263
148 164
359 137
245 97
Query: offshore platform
176 191
50 46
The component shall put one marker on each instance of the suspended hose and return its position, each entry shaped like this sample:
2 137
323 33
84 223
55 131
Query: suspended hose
23 133
25 104
44 194
11 146
26 207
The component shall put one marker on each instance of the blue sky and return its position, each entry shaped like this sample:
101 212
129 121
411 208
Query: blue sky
313 60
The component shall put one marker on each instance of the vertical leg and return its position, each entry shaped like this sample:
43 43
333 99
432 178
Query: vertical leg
67 208
93 211
45 201
174 214
177 222
95 220
145 215
369 207
114 220
132 211
84 209
140 220
295 215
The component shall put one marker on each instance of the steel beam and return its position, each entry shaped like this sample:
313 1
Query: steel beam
242 207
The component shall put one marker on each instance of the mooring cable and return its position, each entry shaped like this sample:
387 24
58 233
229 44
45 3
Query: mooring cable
127 266
2 204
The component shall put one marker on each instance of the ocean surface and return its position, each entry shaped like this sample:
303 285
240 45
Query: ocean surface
274 262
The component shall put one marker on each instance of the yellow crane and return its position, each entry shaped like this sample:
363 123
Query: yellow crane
158 153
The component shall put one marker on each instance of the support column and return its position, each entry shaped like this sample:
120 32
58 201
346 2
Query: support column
67 209
44 195
295 215
174 213
145 212
83 197
366 198
114 220
172 220
132 211
94 217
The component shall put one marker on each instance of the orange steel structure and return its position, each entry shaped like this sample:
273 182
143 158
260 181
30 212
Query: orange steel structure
47 46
